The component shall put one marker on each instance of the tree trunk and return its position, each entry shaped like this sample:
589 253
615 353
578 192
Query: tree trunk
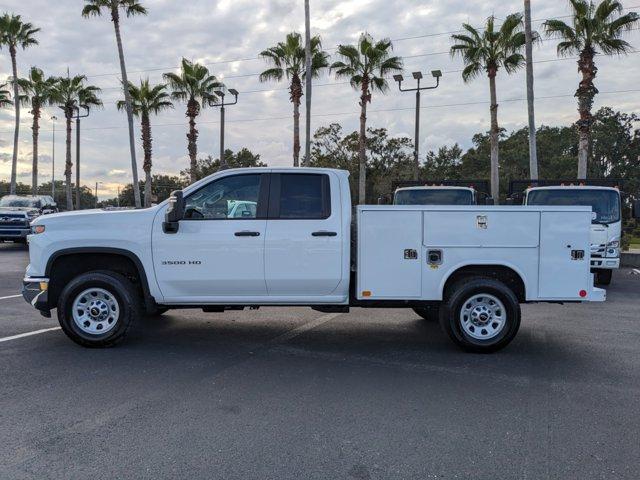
296 95
146 166
362 143
68 164
308 77
35 111
533 149
127 100
585 94
192 139
16 131
493 135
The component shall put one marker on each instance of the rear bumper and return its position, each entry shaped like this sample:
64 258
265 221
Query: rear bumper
35 291
605 263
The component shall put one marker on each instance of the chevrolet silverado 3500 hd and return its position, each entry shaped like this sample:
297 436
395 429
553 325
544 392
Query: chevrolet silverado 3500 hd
293 247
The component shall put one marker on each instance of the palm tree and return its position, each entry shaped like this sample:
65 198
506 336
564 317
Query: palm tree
130 8
288 60
195 86
36 91
15 33
5 96
72 94
593 27
367 65
488 52
147 99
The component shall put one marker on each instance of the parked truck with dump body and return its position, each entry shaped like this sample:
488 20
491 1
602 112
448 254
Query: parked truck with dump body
604 198
101 270
441 192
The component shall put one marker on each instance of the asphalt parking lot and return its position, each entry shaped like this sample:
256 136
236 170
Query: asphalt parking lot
288 393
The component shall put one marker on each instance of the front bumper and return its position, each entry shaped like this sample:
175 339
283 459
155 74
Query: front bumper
603 262
17 233
36 292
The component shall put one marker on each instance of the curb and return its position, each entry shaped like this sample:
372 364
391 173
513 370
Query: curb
630 260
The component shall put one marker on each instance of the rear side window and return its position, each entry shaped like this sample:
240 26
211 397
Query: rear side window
301 196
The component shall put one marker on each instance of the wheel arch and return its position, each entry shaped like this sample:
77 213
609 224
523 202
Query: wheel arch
509 274
96 258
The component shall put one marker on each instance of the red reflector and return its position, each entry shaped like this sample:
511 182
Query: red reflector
583 293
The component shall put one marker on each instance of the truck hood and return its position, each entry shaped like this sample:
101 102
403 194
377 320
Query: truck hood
97 219
601 234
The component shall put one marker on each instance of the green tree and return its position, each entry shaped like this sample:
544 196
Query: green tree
244 158
36 91
288 60
15 33
146 100
5 96
72 93
130 8
488 52
593 27
162 186
366 65
195 86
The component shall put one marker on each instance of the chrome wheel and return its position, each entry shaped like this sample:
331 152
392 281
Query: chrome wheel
95 311
483 316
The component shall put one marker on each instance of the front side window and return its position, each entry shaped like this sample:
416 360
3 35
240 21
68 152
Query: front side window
234 197
304 196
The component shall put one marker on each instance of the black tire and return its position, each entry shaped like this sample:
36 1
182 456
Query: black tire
122 291
430 312
456 299
603 277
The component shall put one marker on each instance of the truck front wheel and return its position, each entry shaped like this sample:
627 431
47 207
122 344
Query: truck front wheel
480 315
603 276
95 309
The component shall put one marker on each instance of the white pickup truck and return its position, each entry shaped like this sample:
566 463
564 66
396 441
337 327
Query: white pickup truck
101 270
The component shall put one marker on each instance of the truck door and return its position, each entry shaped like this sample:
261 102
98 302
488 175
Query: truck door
303 249
218 250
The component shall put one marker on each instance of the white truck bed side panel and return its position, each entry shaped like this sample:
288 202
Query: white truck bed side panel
383 237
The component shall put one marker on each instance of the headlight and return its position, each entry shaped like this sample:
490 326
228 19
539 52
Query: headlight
614 244
37 229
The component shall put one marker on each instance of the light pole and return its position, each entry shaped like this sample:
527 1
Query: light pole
78 117
97 183
533 153
221 93
53 158
307 79
418 76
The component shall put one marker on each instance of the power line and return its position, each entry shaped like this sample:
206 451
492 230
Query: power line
334 114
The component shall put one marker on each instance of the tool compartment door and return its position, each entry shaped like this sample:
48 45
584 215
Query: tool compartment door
389 254
563 275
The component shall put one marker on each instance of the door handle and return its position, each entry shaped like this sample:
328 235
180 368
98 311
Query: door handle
324 234
247 234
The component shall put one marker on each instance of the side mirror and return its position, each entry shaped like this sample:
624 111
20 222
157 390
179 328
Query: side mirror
384 200
175 212
510 201
489 201
636 209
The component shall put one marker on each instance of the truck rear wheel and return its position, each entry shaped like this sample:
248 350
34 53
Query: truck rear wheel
480 315
429 313
95 309
603 276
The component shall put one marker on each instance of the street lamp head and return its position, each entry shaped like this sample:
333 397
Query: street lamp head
220 93
417 75
233 92
398 78
436 73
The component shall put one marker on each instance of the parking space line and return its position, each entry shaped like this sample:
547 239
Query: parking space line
28 334
285 337
10 296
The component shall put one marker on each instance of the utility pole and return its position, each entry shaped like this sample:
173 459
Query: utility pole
78 117
221 93
533 149
53 158
307 70
417 76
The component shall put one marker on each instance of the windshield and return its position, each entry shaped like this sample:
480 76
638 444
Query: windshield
19 202
604 203
433 196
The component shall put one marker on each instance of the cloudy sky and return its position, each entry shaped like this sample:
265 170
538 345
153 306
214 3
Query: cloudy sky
227 36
